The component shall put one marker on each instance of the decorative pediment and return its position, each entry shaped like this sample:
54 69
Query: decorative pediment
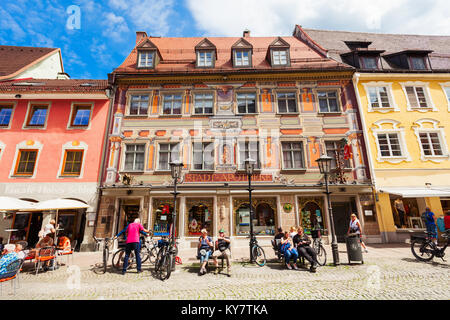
205 44
147 45
242 44
279 43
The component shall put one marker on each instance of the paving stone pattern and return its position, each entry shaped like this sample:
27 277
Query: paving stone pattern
389 272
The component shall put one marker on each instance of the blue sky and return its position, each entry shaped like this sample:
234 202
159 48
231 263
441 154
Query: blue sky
107 29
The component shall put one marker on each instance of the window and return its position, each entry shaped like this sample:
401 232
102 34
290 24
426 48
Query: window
246 102
203 156
134 157
389 144
168 152
418 63
37 116
146 59
334 150
27 161
416 97
172 104
73 159
279 57
81 116
248 149
328 101
204 103
139 105
287 103
378 97
241 58
5 115
292 155
204 58
369 62
447 92
431 144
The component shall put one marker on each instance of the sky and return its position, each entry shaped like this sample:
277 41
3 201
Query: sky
96 36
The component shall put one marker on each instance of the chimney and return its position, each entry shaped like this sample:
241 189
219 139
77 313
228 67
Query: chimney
246 33
140 35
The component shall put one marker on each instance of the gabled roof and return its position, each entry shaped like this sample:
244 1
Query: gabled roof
178 56
279 42
242 43
15 60
146 44
335 43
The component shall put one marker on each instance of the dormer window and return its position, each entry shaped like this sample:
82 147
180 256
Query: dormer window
369 62
206 54
242 58
146 59
279 53
410 59
204 58
417 63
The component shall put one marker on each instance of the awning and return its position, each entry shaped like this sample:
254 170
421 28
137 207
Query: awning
408 192
14 204
60 204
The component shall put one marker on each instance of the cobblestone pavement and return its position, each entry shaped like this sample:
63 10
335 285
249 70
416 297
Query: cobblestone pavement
389 272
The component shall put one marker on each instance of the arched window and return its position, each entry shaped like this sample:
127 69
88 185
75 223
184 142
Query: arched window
312 217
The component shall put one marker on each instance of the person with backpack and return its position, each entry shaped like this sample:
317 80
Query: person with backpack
430 221
222 251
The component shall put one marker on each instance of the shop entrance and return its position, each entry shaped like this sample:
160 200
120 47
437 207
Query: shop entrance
129 210
35 227
341 217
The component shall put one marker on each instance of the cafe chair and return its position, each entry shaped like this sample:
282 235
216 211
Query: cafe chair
12 273
68 253
44 255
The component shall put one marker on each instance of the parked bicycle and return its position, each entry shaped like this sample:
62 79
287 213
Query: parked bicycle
257 253
318 247
148 252
100 268
165 259
424 249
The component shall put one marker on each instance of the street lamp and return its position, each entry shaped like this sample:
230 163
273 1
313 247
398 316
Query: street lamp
175 170
250 168
325 167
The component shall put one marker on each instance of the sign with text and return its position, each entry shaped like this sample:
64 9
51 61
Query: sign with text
225 177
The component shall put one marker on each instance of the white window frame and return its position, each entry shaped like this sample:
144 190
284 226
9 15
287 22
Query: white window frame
278 59
194 94
72 110
180 154
400 131
295 92
130 100
238 155
338 99
378 84
439 130
81 146
204 60
446 85
256 102
203 155
236 59
9 104
335 140
147 53
124 149
32 104
303 150
426 90
163 97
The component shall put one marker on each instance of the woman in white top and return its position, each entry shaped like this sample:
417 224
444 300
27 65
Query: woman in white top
292 232
49 228
355 227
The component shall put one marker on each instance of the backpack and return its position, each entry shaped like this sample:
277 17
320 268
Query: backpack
441 224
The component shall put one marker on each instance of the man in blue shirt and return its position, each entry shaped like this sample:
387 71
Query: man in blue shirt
9 257
430 221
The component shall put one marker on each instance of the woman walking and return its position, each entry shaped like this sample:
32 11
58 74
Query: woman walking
355 227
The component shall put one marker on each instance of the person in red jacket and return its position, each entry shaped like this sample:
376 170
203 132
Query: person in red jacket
447 220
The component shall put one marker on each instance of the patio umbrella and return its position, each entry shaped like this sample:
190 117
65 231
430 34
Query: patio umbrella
14 204
60 204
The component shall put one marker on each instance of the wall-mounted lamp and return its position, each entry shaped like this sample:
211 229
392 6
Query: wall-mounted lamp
18 96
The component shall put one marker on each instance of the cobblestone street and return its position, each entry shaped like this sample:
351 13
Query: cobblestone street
389 272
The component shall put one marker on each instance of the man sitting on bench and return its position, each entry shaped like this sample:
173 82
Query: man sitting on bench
222 251
302 243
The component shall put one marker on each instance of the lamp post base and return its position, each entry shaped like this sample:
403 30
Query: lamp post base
335 252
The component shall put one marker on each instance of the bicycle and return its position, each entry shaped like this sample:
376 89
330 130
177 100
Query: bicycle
424 249
149 250
101 268
318 247
257 254
165 259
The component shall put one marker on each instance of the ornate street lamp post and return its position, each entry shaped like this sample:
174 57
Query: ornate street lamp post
249 168
324 166
175 169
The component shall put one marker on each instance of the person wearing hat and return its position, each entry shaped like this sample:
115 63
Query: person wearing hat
222 251
205 247
10 255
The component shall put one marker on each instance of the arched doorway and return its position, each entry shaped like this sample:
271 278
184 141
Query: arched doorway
311 214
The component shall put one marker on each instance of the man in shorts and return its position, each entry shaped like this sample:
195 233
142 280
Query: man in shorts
222 250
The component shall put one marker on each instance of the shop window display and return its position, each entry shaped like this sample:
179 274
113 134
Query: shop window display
311 217
163 220
263 219
199 217
406 213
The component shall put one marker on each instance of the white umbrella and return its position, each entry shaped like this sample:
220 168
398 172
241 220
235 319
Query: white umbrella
60 204
14 204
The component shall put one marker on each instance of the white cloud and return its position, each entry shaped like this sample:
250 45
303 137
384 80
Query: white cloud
278 17
115 26
146 15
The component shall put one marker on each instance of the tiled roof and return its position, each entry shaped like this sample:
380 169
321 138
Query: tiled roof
333 41
54 85
14 59
178 56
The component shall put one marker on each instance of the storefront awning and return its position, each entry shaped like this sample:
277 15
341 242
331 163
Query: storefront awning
417 192
14 204
60 204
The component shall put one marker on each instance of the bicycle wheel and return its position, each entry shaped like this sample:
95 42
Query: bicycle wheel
258 255
165 266
105 258
119 257
321 255
152 255
159 259
422 250
145 253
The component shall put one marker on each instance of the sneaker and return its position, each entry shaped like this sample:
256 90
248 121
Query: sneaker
312 269
139 271
216 271
229 272
295 266
124 272
366 251
288 266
